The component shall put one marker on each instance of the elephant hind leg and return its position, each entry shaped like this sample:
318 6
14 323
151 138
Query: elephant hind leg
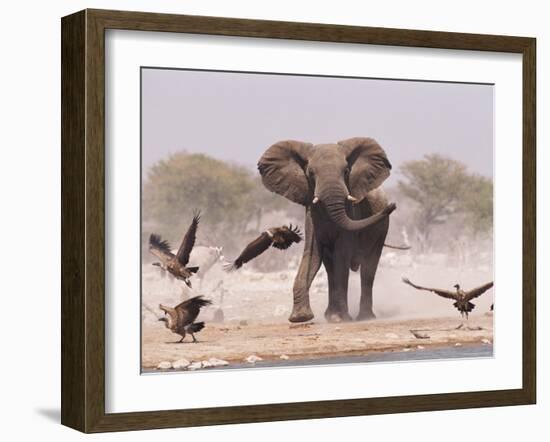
354 266
337 267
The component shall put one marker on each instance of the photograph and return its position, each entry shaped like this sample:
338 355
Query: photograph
299 220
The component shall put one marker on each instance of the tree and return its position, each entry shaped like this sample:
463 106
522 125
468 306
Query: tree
230 197
184 182
478 204
435 183
443 189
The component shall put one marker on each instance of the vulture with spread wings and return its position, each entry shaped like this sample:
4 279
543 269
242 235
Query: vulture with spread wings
181 318
461 297
279 237
176 264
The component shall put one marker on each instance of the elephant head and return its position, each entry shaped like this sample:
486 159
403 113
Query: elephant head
327 174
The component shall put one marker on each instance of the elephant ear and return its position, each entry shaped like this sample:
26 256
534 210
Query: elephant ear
369 165
282 168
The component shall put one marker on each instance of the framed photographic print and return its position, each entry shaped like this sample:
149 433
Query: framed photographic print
270 220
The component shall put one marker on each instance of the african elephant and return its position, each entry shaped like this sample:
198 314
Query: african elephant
346 218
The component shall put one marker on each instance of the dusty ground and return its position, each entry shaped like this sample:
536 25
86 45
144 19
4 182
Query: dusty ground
234 342
256 307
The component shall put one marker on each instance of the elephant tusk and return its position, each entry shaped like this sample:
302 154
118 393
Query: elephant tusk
352 199
315 200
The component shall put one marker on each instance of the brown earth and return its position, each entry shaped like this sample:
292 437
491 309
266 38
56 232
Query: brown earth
256 307
235 341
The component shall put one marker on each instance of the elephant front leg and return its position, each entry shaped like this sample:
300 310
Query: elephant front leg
309 266
301 309
368 272
365 305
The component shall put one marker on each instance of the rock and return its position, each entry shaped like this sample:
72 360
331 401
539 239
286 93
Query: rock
243 322
284 357
485 342
301 325
215 362
419 335
164 365
337 328
206 364
420 347
391 336
195 365
406 349
181 364
252 359
458 344
477 328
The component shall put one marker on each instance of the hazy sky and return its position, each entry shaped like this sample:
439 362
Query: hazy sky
236 116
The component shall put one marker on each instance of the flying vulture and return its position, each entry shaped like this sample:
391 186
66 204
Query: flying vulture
180 319
461 297
279 237
176 264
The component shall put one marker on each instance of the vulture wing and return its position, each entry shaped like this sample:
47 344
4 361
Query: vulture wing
160 248
444 293
478 291
252 250
188 240
285 236
189 310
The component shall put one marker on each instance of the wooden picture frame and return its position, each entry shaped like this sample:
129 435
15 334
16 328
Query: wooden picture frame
83 219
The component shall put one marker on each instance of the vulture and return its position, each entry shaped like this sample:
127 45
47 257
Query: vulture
279 237
180 319
461 297
176 264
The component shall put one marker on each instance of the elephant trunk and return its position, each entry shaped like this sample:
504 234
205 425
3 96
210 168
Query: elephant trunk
334 201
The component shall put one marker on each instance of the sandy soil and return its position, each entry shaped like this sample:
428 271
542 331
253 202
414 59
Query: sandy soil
256 306
234 341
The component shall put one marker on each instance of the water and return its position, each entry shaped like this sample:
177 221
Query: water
441 353
437 353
